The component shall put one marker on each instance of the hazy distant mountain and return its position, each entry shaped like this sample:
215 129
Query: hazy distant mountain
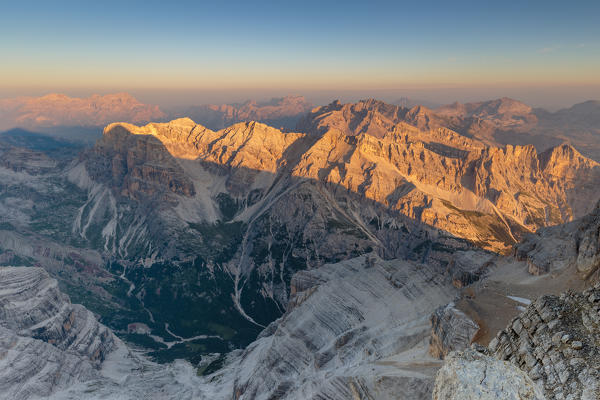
579 124
58 110
409 103
278 112
508 121
504 113
584 114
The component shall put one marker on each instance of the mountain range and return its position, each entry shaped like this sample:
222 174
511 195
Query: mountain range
341 258
495 122
277 112
60 110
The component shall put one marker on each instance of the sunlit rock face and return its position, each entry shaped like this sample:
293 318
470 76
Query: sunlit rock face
388 148
343 245
487 195
245 207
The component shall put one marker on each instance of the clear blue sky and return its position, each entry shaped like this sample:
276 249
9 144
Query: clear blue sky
297 46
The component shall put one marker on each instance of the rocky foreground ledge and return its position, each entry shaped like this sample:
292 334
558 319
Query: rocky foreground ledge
551 350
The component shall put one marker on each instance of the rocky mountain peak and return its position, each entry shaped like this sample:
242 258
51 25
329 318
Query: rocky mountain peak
564 159
434 175
590 107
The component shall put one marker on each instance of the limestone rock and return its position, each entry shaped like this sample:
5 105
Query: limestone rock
451 329
470 375
488 195
360 332
557 248
46 342
556 342
33 306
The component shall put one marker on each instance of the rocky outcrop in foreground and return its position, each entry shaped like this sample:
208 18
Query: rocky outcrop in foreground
555 341
470 375
46 343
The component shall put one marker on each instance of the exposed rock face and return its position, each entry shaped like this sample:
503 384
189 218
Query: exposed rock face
219 202
180 191
356 329
47 343
557 342
451 329
61 110
31 368
370 116
470 375
32 305
278 112
556 248
50 348
140 166
443 178
468 267
487 195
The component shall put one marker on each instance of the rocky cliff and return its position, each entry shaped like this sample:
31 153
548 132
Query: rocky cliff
451 329
551 349
46 342
573 245
471 375
357 329
552 339
449 180
488 195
